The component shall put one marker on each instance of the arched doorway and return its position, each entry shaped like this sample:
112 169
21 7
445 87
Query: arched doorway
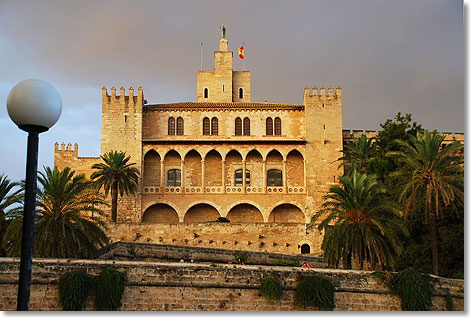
304 249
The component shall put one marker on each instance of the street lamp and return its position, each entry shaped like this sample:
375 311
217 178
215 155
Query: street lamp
34 106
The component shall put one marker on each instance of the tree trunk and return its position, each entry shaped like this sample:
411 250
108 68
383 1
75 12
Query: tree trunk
114 198
435 256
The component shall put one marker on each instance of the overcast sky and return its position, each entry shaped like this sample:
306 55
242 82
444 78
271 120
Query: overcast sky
388 56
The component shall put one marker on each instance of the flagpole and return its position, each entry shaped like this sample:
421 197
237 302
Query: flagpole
201 56
243 56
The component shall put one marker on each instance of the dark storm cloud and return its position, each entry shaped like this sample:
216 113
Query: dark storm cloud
388 56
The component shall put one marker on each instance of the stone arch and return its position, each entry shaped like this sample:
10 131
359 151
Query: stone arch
295 169
160 213
233 162
213 168
286 213
172 162
201 212
305 249
305 243
151 170
245 213
254 163
193 169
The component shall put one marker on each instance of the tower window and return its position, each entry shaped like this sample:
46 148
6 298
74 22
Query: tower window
238 126
179 126
171 126
274 177
215 126
246 126
269 126
305 249
206 126
239 177
206 93
277 126
240 93
174 178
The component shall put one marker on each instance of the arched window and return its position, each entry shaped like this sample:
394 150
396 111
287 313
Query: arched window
246 126
274 178
206 126
305 249
174 178
269 126
215 126
277 126
238 126
179 126
171 126
240 93
206 93
239 177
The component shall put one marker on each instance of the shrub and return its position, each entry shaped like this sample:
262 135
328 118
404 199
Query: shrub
74 287
270 288
449 302
222 219
109 287
316 291
241 257
413 288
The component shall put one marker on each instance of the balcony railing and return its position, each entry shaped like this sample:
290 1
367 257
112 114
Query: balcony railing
220 190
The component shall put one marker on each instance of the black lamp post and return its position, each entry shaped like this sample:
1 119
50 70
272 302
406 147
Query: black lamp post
34 106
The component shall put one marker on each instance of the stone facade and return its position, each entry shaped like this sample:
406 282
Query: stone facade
263 165
208 287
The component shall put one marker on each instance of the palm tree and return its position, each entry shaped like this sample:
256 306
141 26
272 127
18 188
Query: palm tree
116 174
67 222
8 198
358 153
433 177
365 224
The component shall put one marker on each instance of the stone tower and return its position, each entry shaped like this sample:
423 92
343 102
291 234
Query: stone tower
324 142
223 84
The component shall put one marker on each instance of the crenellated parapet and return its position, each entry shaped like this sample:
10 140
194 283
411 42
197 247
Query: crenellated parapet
66 150
315 95
122 98
348 135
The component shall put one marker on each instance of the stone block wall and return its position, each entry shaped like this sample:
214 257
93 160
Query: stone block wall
193 287
286 238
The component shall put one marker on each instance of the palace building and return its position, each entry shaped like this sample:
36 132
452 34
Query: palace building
264 166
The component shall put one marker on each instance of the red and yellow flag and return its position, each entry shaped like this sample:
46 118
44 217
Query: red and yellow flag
241 52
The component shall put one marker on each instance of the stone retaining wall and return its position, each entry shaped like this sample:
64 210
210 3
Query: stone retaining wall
186 286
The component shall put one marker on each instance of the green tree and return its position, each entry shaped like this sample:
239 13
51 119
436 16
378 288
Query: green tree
358 153
67 221
116 174
8 198
433 178
366 225
402 128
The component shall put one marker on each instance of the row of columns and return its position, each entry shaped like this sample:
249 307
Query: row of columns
203 165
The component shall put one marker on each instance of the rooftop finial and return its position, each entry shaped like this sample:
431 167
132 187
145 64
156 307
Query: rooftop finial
223 29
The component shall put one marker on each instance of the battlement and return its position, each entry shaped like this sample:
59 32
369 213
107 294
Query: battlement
67 148
122 98
332 94
348 135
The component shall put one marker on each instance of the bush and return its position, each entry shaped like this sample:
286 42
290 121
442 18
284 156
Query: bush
222 219
413 288
74 287
270 288
316 291
109 287
241 257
